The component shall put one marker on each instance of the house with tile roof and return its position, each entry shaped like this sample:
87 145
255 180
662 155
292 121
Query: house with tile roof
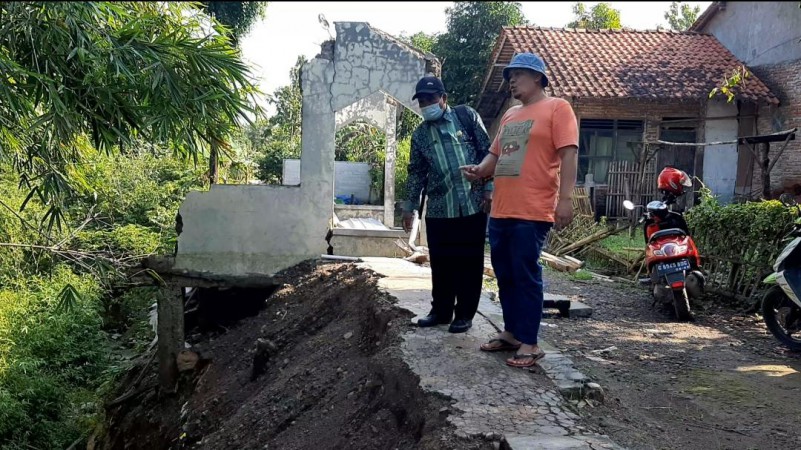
766 36
628 87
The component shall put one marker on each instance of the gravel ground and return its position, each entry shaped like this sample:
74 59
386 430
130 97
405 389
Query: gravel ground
721 382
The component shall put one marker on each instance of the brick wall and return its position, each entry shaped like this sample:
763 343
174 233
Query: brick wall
785 81
629 109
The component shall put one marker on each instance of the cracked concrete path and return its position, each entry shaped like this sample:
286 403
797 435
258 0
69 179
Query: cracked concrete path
491 400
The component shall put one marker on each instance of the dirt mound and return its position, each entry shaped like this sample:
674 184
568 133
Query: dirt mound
318 367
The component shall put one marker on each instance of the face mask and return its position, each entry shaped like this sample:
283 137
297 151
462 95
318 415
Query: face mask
432 112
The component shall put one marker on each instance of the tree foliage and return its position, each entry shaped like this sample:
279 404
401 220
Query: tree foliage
278 137
57 360
239 17
79 76
420 40
681 16
465 48
731 85
600 16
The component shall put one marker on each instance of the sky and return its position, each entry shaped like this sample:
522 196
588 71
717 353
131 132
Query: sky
292 28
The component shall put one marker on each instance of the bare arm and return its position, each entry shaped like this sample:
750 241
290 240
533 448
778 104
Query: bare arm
567 182
487 166
567 178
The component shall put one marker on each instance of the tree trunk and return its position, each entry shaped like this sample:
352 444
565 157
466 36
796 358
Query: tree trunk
764 164
213 155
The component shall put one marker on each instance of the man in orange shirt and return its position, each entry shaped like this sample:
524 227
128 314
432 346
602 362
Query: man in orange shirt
533 160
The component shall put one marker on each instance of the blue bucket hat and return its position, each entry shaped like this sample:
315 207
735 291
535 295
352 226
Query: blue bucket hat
528 61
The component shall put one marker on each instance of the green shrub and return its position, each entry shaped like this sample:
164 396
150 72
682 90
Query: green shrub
127 239
142 189
57 360
749 230
48 357
401 168
739 241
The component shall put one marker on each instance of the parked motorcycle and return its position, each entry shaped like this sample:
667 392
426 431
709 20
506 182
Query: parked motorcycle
781 307
671 257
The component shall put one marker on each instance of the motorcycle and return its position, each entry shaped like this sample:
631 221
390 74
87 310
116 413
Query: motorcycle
671 257
781 306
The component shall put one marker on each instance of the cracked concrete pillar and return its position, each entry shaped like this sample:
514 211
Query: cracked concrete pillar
318 145
389 163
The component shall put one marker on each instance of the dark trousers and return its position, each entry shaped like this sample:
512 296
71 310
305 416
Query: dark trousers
456 249
516 246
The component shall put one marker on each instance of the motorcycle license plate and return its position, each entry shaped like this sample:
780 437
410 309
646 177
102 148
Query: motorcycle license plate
673 267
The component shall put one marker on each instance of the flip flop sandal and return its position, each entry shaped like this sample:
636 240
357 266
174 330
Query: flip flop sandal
534 358
505 346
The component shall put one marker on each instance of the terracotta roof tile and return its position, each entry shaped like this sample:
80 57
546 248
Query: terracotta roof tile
624 63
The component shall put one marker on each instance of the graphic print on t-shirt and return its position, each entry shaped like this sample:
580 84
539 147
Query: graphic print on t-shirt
514 145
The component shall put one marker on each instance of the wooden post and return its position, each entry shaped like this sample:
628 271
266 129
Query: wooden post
170 335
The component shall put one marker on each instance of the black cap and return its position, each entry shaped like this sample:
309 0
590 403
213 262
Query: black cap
429 85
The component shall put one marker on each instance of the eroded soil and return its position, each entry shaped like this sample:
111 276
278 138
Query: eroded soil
328 376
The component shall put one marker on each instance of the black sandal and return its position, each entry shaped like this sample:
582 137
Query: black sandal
505 346
534 358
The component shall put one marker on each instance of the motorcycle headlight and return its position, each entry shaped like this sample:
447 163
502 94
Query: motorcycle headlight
673 249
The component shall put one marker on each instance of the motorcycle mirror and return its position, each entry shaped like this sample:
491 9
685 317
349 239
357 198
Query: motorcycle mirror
787 200
628 205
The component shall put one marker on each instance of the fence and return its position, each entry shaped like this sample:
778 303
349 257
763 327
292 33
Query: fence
623 185
737 270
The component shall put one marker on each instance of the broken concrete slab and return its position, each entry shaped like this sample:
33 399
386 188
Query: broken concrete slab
489 397
559 443
383 243
567 308
579 310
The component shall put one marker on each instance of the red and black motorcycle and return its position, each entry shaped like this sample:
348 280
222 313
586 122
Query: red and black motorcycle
671 257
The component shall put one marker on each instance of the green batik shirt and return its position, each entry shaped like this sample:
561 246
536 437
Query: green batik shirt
439 148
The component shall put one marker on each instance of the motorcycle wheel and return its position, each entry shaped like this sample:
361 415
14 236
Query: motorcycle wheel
682 304
777 308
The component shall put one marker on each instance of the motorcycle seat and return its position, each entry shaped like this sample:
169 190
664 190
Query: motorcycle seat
667 232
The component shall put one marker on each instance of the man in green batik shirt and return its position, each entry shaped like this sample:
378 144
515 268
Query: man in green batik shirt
456 211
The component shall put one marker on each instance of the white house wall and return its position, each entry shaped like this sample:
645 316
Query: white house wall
759 33
720 161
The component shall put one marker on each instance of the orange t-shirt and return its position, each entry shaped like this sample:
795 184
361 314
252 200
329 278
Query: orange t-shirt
527 170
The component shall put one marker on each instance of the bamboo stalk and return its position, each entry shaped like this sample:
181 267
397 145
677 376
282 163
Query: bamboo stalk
591 239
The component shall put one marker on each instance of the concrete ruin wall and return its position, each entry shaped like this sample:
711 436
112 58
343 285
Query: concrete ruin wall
240 229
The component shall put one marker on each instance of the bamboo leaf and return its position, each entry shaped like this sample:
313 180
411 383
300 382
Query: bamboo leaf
67 299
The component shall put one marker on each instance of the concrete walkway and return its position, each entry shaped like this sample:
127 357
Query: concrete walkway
491 400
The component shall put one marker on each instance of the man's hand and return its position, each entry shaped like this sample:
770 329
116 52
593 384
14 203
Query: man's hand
408 220
564 213
486 202
471 172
